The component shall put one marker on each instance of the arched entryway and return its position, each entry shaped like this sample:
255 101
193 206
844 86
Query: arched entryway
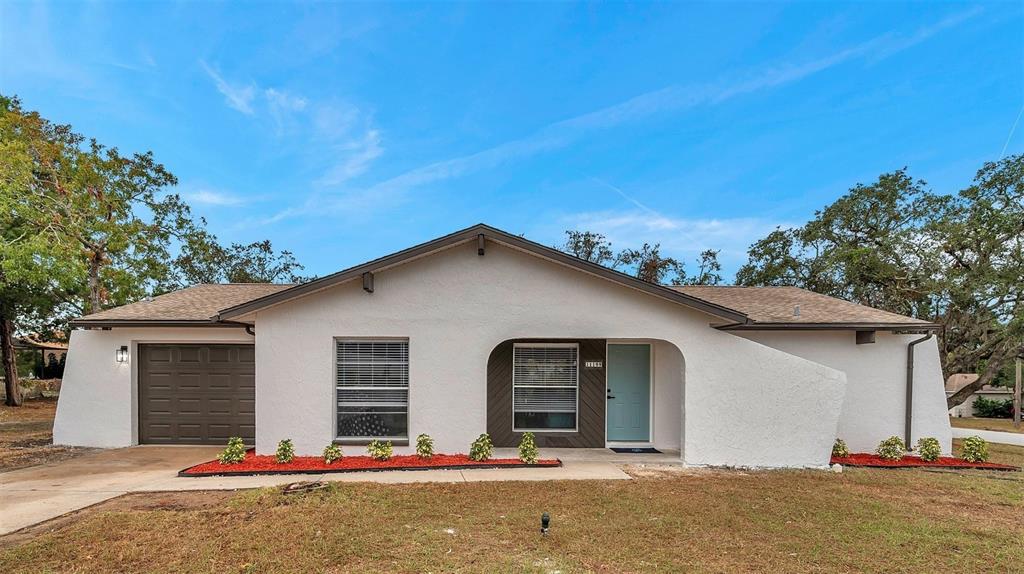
618 392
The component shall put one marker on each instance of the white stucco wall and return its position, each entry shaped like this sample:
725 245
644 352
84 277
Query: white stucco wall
98 404
873 408
744 403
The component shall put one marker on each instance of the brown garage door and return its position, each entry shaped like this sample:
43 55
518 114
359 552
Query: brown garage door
196 394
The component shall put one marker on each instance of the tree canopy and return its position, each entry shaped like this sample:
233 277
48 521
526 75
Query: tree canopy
953 259
84 227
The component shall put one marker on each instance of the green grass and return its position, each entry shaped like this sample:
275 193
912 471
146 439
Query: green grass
784 521
1002 425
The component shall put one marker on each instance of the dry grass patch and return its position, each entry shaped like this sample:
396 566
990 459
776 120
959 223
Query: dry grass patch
1001 425
26 436
714 521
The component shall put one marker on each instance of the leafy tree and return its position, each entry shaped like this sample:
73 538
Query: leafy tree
589 246
708 271
951 259
649 265
37 266
84 227
981 237
204 260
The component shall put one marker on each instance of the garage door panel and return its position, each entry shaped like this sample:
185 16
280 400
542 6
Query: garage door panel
220 381
187 355
196 394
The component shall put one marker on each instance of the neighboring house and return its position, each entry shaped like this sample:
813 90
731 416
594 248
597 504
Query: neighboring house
483 331
48 352
966 409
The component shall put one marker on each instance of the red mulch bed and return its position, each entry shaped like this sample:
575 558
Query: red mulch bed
265 464
875 461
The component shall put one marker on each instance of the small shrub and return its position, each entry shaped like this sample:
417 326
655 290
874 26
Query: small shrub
424 446
993 408
974 449
891 448
332 452
380 450
528 449
285 451
928 448
234 453
839 449
482 448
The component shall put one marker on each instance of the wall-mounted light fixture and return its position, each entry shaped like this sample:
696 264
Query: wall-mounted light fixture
121 355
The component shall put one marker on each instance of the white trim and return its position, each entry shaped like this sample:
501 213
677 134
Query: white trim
576 413
650 392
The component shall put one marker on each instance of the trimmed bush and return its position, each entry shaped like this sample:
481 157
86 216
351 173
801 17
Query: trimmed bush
285 451
839 449
332 452
234 453
891 448
528 449
380 450
974 449
993 408
928 448
482 448
424 446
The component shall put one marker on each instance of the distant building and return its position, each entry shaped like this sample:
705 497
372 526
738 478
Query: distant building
966 409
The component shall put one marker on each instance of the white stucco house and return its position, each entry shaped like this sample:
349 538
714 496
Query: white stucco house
484 331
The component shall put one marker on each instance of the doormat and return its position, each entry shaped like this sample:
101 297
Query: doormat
635 450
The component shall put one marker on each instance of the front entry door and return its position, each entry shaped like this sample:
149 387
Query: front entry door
629 393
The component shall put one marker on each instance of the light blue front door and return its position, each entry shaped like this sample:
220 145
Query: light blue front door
629 392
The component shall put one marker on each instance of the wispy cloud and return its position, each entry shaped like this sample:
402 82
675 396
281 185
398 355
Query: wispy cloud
563 133
338 136
282 105
237 96
680 237
207 196
354 158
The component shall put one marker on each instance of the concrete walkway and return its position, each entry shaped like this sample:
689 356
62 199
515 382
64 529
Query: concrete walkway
32 495
1011 438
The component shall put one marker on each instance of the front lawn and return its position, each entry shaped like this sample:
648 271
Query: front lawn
1003 425
26 435
792 521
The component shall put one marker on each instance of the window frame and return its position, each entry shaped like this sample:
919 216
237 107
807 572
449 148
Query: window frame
359 440
576 412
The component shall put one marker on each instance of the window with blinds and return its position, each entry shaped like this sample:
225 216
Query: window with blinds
372 388
545 386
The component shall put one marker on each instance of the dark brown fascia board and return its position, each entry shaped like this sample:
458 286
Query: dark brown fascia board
470 234
108 323
755 326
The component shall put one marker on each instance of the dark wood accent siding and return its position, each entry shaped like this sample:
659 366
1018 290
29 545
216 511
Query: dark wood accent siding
591 399
197 394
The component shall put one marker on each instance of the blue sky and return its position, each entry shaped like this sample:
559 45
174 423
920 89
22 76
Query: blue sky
347 131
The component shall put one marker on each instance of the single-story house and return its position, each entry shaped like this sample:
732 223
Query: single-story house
484 331
966 409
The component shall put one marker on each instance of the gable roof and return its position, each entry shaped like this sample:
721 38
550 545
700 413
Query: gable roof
775 307
481 233
756 308
185 307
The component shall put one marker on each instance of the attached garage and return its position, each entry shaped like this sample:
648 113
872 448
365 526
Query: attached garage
196 393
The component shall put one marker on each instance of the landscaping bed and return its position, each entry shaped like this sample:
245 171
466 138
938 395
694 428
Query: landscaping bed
875 461
254 464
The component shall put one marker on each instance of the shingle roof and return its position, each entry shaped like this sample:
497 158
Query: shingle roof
764 305
775 305
198 303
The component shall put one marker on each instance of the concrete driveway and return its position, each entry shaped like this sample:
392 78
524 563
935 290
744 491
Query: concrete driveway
38 493
32 495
